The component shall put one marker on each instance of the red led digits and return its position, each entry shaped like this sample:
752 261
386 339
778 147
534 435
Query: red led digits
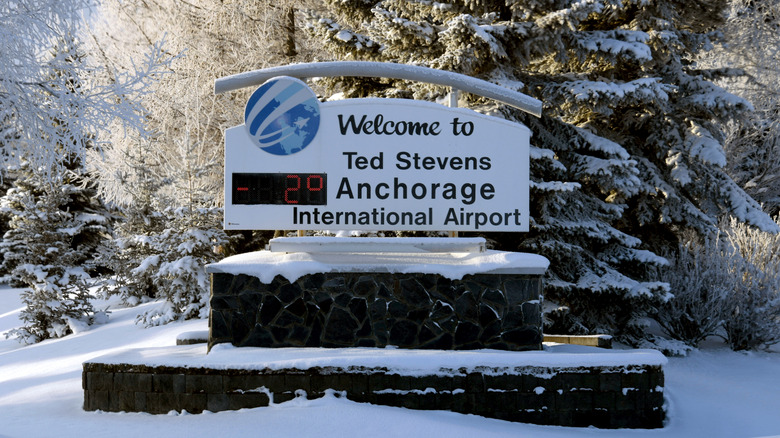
279 189
292 189
320 183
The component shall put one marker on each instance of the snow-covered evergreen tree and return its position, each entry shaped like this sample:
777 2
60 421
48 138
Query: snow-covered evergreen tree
47 250
629 151
55 105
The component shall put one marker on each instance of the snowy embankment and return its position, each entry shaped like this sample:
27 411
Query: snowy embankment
712 393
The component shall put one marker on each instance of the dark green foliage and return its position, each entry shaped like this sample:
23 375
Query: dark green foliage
628 152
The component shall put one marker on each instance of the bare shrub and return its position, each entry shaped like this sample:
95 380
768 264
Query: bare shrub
699 280
751 311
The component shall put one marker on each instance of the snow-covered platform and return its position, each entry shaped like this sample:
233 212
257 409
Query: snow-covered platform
562 384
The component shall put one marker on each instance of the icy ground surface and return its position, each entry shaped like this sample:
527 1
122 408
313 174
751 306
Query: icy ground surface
712 393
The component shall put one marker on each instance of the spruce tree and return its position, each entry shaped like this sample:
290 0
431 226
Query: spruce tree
48 250
628 153
55 221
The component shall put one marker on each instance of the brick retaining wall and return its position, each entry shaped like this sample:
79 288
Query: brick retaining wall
628 396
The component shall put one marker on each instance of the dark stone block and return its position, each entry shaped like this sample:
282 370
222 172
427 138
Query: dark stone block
604 400
312 313
444 342
385 292
335 284
359 309
221 283
426 335
397 309
248 400
280 335
193 403
287 320
378 309
153 405
140 401
270 308
445 290
315 335
364 331
250 301
98 400
217 402
313 281
162 383
289 293
466 333
258 337
218 327
274 383
342 300
466 307
365 286
491 333
224 302
403 333
532 314
441 310
298 335
197 383
100 381
487 315
513 318
297 308
137 382
609 382
521 290
126 401
284 396
340 327
475 383
636 377
414 294
324 302
494 297
450 324
239 325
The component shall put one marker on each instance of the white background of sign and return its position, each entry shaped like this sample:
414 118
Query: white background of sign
500 149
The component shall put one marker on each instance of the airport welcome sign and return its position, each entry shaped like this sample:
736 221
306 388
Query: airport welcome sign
372 164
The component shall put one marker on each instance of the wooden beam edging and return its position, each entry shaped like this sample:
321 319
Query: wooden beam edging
385 70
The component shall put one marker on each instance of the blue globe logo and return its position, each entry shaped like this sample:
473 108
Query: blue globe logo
282 116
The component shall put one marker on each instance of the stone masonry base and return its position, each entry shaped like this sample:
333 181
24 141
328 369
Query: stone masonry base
627 396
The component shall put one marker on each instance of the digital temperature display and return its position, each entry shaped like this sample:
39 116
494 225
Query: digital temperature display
280 188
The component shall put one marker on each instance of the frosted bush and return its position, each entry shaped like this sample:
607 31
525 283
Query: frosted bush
177 263
699 280
57 303
751 311
729 286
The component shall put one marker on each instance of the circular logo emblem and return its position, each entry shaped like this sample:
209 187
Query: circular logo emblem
282 116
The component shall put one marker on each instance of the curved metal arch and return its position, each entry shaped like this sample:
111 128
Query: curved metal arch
384 70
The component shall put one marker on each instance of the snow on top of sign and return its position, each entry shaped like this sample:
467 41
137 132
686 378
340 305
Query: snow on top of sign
265 265
398 361
383 69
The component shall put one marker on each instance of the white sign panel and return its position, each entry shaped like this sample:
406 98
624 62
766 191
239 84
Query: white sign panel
372 164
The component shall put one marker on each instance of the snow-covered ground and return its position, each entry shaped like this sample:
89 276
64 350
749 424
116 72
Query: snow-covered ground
712 393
